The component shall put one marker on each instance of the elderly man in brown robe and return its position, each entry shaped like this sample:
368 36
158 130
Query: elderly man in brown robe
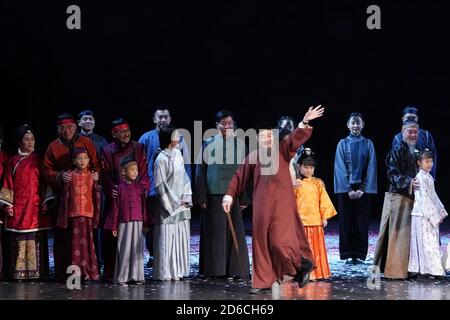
280 247
392 250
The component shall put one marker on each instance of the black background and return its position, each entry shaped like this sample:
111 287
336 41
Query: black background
260 60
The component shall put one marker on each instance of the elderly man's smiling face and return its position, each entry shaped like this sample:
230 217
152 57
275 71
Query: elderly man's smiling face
411 135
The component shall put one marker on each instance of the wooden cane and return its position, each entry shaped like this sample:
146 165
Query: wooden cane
236 246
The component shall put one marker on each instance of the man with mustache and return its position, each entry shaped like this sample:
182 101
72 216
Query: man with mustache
392 250
424 138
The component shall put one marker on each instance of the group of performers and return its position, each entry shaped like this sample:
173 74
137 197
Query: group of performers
105 202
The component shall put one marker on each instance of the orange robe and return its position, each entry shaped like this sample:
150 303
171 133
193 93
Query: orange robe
279 240
314 205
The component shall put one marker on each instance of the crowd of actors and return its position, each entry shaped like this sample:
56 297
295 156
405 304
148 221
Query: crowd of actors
104 202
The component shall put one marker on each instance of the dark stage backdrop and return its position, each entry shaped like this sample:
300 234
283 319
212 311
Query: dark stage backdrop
261 60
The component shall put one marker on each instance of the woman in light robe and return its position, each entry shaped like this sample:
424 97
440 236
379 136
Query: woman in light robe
174 200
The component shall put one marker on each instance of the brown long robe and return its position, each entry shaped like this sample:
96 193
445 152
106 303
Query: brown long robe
279 239
392 249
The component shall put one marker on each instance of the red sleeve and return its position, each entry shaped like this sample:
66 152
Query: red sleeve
7 174
50 174
3 163
112 220
94 160
96 197
61 221
290 145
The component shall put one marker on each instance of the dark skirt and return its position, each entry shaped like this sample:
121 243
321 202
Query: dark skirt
83 248
218 256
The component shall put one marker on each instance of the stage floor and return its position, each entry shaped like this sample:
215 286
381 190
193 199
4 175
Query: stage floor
348 282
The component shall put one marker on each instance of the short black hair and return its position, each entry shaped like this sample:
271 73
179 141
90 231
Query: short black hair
160 107
307 158
355 114
222 114
118 121
165 136
86 112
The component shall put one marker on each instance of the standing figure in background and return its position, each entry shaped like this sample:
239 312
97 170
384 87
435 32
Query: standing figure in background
3 159
355 179
128 222
424 140
393 245
86 122
58 165
79 213
26 218
286 124
221 156
150 140
428 212
112 156
315 208
172 230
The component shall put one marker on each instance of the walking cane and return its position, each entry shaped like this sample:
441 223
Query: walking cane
236 246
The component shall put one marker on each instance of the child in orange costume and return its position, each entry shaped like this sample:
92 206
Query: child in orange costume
315 208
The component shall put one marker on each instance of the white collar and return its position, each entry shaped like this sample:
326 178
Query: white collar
24 154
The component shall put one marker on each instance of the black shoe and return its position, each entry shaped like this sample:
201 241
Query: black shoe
302 276
305 281
259 290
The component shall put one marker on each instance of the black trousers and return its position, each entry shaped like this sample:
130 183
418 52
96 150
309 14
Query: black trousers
353 226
